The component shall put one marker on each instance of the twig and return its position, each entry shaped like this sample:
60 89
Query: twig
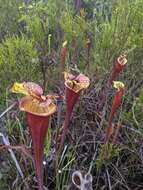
108 178
116 169
133 130
63 153
67 164
21 148
93 159
8 109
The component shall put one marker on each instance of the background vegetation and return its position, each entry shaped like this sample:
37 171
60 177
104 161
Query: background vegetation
31 36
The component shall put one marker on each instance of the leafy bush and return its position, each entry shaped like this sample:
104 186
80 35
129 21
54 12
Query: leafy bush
18 62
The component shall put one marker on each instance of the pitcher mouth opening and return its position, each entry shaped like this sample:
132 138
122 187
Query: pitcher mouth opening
122 59
36 107
76 83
